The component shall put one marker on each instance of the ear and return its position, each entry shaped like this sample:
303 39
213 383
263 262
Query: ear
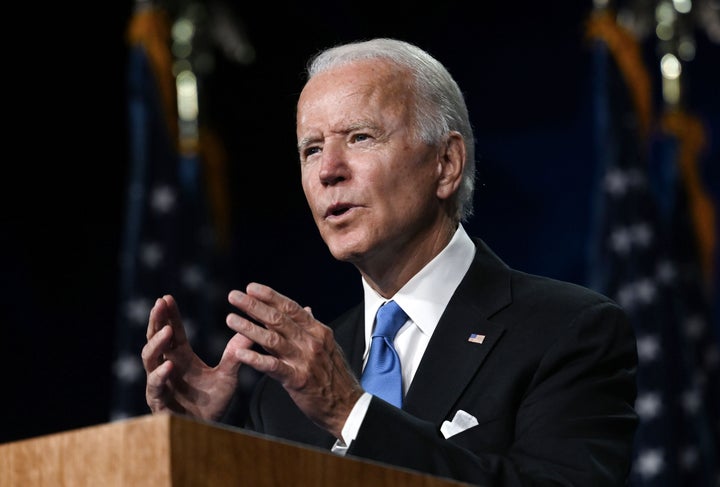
451 163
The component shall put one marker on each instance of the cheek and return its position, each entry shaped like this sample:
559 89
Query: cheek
312 203
306 179
412 186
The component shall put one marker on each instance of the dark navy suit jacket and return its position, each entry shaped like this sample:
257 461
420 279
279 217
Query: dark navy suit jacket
552 387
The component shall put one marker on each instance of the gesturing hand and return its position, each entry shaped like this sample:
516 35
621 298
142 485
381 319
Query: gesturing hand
177 379
302 354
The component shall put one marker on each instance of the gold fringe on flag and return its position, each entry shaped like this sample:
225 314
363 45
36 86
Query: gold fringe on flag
626 51
690 134
150 28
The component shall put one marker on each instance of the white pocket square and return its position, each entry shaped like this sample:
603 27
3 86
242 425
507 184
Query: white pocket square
461 422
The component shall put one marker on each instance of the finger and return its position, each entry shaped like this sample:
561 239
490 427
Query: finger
298 315
157 345
269 339
264 363
157 319
174 319
229 363
257 309
271 308
278 301
156 387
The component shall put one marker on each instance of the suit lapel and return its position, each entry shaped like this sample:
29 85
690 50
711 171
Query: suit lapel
451 360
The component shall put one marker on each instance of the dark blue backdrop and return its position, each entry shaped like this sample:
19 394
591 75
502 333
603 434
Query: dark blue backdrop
525 68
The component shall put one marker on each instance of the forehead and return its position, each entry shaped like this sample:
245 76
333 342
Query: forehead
362 87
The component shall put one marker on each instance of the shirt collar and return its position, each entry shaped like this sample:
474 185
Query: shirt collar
426 295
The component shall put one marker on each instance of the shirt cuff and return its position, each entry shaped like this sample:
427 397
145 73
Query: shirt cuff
352 424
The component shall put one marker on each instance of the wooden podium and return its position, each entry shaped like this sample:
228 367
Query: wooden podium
168 450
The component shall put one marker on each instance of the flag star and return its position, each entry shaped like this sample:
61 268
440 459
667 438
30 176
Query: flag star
649 463
666 272
621 241
648 348
192 276
127 368
138 310
616 182
646 290
642 291
642 234
627 296
648 405
151 254
163 199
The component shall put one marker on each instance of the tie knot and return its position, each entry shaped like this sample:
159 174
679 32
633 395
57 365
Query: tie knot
390 318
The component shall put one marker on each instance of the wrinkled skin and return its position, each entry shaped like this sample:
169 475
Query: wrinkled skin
380 199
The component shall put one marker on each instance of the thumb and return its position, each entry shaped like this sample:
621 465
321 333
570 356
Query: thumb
229 362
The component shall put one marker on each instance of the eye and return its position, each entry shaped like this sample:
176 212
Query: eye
310 151
359 138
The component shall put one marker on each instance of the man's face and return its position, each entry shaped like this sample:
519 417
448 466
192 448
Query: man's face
370 183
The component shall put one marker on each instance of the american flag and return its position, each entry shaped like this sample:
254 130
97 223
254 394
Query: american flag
475 338
172 241
646 258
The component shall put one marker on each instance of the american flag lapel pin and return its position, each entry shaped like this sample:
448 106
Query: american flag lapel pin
475 338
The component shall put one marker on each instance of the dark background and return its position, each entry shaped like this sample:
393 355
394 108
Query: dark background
525 67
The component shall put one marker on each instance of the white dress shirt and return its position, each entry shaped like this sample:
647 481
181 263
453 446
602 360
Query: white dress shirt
424 299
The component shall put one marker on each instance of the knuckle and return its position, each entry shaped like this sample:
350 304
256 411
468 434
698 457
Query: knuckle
301 382
290 307
275 317
273 340
146 353
326 335
316 347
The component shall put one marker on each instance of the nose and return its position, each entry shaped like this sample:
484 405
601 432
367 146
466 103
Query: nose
334 168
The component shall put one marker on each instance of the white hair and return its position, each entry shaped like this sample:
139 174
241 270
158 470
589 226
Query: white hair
440 106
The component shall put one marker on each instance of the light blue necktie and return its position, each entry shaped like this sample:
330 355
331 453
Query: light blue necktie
382 376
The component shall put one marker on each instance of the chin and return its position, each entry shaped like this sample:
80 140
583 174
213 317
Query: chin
346 250
342 254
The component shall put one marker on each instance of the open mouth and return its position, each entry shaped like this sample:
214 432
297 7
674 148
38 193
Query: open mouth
338 210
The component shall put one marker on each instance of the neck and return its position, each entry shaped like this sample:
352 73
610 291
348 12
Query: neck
390 270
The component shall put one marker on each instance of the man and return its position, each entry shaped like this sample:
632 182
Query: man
507 378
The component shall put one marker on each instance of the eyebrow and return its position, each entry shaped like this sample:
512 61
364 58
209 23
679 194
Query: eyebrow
351 127
305 141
